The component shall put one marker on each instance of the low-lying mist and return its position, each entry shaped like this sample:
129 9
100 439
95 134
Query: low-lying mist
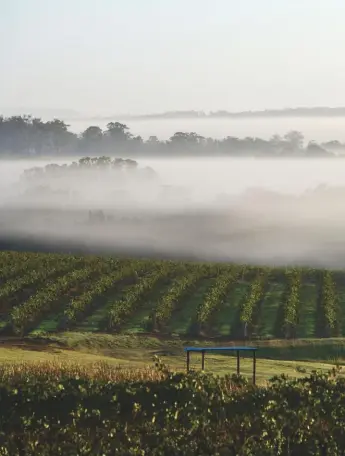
122 207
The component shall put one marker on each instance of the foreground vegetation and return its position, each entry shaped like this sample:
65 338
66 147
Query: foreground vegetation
58 409
44 293
77 334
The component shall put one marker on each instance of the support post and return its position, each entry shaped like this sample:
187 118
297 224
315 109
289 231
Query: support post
187 361
203 360
254 367
238 362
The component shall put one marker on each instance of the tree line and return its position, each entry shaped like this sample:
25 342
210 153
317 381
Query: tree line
288 112
24 135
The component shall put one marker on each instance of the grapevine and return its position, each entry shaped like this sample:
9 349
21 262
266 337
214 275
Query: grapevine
121 309
329 301
25 315
217 293
291 306
80 304
180 286
255 294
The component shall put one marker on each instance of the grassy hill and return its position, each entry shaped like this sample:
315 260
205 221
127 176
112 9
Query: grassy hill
42 293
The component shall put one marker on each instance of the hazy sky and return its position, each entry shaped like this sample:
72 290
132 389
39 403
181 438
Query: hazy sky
139 56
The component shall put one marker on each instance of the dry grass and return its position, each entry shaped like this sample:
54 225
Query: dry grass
114 372
132 363
56 370
52 372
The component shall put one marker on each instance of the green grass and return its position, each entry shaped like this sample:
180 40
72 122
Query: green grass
321 350
274 357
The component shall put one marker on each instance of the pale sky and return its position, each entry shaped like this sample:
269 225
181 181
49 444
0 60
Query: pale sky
144 56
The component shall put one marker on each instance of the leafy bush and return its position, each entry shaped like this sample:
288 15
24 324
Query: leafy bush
62 411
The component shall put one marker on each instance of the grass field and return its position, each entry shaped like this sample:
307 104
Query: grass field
274 357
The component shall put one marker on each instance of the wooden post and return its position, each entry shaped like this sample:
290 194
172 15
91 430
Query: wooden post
187 361
254 366
203 360
238 362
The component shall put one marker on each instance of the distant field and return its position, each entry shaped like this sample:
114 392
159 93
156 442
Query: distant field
49 293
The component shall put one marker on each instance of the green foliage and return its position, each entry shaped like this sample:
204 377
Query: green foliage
178 414
79 305
329 302
217 293
176 292
25 315
67 290
41 272
123 308
292 304
255 294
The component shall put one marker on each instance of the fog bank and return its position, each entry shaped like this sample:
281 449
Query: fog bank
259 213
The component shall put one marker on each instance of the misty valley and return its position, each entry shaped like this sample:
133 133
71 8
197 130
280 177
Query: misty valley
114 205
172 228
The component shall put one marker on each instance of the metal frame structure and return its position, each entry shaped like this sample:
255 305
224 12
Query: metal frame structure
203 350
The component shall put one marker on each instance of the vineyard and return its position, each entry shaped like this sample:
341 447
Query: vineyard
43 293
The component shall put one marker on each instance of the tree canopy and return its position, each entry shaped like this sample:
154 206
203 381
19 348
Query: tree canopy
23 136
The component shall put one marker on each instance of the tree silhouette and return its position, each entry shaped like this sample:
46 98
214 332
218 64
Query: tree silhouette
29 136
118 131
92 134
295 138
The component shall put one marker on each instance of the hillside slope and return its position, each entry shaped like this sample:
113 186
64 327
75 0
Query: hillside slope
55 292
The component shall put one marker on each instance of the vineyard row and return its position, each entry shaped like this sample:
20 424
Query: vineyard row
35 287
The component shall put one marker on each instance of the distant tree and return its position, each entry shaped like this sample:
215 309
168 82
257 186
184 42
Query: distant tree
25 135
57 126
38 175
186 142
230 146
131 164
116 137
85 162
92 134
333 145
315 150
56 137
118 131
153 140
103 162
137 144
295 138
276 140
15 134
91 140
